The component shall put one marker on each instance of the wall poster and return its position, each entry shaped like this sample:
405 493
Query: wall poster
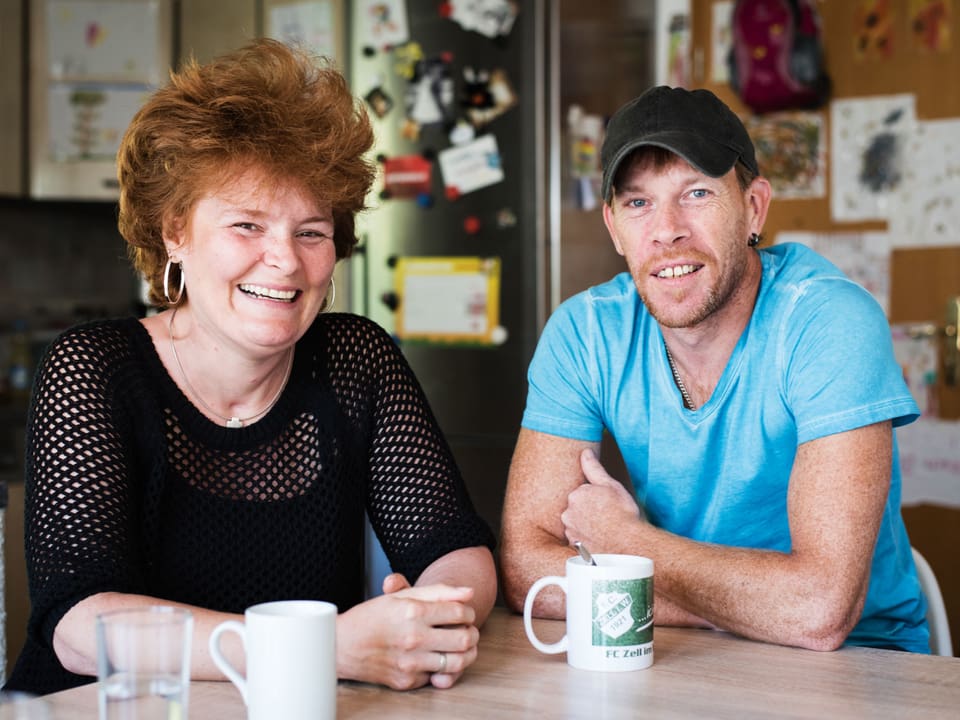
309 25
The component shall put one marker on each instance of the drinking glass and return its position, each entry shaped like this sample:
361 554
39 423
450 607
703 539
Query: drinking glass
143 663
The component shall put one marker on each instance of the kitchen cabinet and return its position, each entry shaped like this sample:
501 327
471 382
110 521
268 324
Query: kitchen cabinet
90 68
12 180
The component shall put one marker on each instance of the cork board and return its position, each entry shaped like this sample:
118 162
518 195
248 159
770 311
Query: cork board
855 73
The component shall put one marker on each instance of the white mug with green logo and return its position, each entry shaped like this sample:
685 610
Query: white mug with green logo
609 613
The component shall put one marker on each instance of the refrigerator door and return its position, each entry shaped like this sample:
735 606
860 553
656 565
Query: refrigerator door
477 393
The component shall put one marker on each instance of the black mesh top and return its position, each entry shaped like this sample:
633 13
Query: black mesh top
129 488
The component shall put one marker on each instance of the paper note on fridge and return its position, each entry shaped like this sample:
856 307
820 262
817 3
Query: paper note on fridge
471 166
449 299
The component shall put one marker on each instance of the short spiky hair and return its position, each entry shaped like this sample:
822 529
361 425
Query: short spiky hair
264 105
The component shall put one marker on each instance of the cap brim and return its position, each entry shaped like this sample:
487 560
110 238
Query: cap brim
707 156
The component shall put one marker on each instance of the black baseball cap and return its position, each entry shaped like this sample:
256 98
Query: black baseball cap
694 124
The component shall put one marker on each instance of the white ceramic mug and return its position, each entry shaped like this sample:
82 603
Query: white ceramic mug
609 613
290 647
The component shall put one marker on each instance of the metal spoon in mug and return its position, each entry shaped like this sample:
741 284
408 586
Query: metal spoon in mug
584 553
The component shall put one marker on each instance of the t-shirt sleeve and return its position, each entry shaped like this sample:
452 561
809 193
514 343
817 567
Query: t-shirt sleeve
417 501
78 522
841 372
563 378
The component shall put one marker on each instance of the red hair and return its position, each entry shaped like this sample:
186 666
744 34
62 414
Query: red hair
265 105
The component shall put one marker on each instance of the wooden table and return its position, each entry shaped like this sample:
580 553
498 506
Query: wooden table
696 674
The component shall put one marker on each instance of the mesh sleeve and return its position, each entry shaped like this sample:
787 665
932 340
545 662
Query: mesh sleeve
416 498
77 514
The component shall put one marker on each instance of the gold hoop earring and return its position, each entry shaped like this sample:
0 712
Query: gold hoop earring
166 282
328 302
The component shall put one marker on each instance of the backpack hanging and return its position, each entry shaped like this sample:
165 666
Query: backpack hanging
776 61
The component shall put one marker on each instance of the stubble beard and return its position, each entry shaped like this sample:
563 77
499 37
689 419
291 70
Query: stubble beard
667 315
668 312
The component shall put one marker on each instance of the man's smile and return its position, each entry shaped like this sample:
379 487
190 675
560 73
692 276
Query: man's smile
674 271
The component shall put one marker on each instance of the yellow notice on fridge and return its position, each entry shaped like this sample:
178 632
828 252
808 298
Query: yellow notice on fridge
449 300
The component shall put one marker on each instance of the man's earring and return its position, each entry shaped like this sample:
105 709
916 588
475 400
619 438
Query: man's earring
754 239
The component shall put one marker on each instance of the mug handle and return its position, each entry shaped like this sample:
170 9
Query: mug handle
221 662
553 648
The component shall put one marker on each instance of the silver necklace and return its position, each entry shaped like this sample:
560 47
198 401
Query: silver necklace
687 402
231 422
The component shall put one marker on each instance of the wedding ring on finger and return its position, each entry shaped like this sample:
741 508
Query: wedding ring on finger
443 663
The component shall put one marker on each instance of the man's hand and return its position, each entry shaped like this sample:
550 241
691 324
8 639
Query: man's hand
598 510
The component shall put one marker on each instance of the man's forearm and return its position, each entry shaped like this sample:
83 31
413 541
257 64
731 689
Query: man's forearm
524 562
785 598
667 612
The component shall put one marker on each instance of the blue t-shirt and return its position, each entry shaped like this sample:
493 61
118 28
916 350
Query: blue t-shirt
815 359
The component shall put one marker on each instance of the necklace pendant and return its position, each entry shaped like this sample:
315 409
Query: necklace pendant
234 422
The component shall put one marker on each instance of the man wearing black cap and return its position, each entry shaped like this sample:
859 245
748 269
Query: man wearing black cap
752 393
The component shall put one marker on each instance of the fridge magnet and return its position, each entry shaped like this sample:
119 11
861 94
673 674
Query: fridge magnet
410 130
506 218
493 18
379 101
448 300
390 301
873 23
486 94
791 152
472 166
384 23
462 133
407 176
472 225
407 56
930 22
867 140
429 98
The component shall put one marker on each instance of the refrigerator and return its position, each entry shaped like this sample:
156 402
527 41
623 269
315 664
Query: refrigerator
510 78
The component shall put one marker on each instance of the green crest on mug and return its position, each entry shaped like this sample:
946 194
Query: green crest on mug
622 612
